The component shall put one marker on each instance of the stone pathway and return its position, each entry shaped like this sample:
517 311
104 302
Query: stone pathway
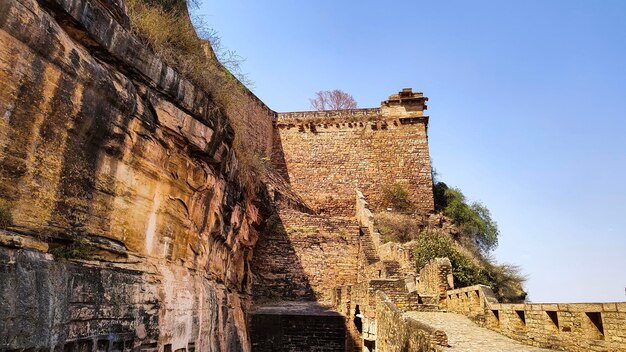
465 335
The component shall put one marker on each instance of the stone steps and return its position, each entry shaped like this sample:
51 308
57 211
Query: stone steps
367 246
428 299
391 268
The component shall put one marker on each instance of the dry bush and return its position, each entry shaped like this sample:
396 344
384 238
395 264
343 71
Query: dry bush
396 227
6 216
332 100
165 27
397 197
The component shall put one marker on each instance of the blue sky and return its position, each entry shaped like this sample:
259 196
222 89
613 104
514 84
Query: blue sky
527 106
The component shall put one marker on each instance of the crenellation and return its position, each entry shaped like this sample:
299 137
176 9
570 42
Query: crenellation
572 327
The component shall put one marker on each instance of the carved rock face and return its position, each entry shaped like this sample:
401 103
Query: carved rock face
126 169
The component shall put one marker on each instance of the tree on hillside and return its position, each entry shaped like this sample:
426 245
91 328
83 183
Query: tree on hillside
472 219
332 100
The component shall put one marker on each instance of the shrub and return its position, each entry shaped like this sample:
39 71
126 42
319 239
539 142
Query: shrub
395 227
397 197
76 250
6 217
472 220
506 281
432 244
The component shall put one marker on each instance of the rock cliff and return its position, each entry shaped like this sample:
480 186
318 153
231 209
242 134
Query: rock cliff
130 228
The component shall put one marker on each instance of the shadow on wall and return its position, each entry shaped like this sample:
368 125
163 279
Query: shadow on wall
299 326
278 155
278 272
287 314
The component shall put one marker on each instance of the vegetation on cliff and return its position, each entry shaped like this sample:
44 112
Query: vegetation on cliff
462 231
197 54
6 217
473 220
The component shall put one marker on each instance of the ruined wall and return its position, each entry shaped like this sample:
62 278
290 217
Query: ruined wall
436 278
570 327
304 257
130 227
329 154
397 333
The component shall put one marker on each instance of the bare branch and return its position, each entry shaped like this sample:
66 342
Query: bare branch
333 100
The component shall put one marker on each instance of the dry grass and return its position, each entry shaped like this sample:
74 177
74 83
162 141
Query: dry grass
396 227
164 25
6 216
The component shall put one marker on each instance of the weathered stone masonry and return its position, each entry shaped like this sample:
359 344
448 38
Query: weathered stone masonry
329 154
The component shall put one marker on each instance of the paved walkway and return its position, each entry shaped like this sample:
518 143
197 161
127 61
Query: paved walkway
465 335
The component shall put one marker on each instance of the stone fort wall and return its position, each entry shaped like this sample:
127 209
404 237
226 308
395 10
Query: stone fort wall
574 327
328 154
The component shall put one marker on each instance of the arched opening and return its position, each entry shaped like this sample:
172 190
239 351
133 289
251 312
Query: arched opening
358 319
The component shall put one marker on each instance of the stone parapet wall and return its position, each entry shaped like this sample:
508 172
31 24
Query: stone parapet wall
403 253
572 327
436 278
365 218
397 333
302 118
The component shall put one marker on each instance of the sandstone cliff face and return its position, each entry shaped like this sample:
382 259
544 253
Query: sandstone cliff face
130 227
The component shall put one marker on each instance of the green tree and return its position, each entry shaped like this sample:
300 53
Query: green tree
472 219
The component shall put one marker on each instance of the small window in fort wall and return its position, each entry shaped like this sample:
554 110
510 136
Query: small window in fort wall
593 326
475 298
554 318
496 316
522 318
369 346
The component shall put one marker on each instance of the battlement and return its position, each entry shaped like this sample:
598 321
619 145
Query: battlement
404 108
405 104
574 327
328 117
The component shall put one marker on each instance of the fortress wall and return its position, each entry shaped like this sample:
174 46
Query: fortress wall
572 327
436 278
304 257
255 125
330 154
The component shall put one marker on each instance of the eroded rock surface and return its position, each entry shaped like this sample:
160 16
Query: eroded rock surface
130 229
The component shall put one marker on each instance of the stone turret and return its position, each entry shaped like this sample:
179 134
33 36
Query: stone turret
405 104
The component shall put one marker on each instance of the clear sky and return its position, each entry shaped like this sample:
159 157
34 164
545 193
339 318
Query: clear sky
527 106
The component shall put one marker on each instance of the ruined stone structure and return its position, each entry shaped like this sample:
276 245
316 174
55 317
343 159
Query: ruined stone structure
132 230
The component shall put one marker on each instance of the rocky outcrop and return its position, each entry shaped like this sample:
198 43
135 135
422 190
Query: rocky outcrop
130 228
